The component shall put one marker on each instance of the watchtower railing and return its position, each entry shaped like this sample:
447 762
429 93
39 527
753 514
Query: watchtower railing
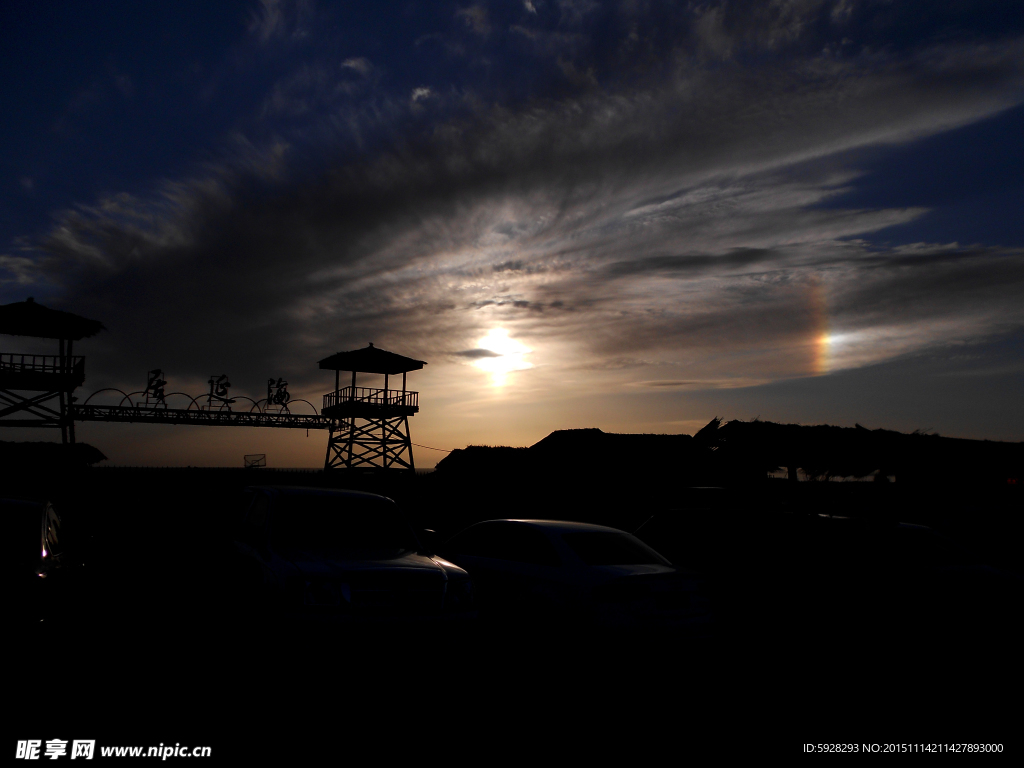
371 396
47 364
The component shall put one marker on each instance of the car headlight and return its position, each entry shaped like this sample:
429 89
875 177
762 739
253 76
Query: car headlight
458 595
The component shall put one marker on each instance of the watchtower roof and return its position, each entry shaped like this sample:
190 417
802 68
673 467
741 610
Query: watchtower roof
27 318
371 360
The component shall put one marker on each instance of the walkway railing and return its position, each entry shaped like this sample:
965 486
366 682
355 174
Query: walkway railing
18 363
371 396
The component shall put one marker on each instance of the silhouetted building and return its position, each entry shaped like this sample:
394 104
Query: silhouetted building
744 453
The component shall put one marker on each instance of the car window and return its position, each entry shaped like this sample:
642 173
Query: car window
506 541
524 544
611 548
339 526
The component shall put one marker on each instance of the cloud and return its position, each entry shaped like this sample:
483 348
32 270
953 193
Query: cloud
289 19
676 218
476 18
359 64
575 12
267 20
699 384
17 270
476 354
735 258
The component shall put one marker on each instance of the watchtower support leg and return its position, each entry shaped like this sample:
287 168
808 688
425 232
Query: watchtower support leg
408 434
378 443
351 431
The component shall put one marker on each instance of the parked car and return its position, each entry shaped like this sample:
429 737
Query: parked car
832 576
338 554
556 569
934 586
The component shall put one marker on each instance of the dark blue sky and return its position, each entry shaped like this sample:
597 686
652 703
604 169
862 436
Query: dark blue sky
971 179
679 208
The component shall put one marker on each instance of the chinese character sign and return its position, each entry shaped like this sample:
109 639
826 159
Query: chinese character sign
219 391
155 384
277 392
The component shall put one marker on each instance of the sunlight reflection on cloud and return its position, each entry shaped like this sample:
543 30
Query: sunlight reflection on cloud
510 356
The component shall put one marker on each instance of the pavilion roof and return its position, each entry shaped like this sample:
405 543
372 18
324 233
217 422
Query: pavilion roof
370 359
27 318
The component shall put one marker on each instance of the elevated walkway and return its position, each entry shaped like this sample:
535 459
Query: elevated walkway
211 418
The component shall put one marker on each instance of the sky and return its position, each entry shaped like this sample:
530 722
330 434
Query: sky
632 215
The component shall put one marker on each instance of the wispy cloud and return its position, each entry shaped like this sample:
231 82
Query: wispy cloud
360 64
476 354
281 19
421 93
476 18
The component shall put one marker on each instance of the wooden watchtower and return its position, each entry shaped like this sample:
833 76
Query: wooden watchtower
29 383
370 427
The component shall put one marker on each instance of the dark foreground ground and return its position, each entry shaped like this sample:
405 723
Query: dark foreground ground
812 644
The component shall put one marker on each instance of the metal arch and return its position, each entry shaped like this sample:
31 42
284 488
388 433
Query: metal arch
107 389
184 394
128 397
257 406
243 397
156 404
284 407
299 400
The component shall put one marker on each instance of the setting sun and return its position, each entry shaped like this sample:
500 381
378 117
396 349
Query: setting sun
507 356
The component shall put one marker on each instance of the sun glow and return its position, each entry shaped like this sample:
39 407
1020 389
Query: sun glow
822 353
507 355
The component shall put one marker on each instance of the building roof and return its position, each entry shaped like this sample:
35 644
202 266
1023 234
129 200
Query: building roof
27 318
370 360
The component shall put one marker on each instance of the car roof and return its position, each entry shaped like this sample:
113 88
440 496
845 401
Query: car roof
301 490
914 527
559 526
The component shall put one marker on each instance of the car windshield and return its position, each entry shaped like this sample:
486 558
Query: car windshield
611 548
339 526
